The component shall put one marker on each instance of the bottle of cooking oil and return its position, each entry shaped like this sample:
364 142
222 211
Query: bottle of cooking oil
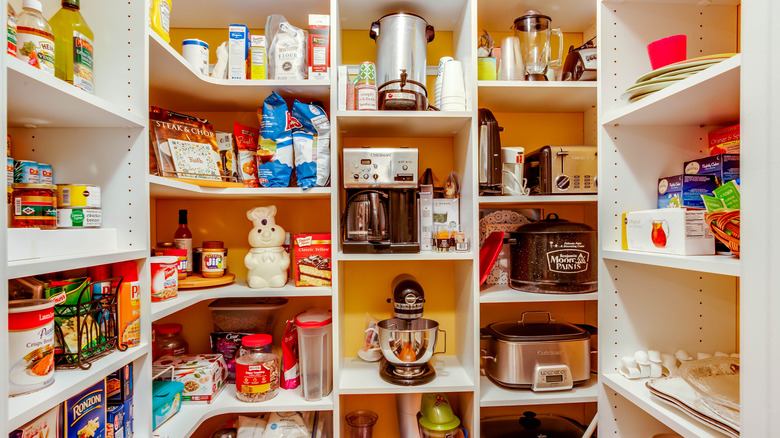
73 40
34 40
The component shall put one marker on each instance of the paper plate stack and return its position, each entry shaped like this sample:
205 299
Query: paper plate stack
663 77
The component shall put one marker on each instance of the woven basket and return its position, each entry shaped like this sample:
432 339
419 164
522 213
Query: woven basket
725 227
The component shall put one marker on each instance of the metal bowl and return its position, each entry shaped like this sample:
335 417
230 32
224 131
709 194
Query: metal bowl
409 342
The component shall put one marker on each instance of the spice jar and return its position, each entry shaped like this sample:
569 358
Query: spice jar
34 206
168 341
212 263
180 254
257 370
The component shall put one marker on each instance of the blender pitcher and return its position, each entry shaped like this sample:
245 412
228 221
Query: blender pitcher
534 31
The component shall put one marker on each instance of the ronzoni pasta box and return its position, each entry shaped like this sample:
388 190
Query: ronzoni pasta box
85 413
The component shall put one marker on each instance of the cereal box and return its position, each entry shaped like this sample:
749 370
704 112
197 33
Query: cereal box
203 375
85 413
311 259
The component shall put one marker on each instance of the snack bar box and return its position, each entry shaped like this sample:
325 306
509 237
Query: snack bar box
203 375
677 231
312 259
85 413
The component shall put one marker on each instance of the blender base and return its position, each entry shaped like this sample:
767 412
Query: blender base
535 77
421 375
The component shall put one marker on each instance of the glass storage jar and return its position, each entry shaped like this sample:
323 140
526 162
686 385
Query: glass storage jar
257 369
169 341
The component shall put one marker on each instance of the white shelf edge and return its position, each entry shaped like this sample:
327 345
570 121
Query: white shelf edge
713 264
354 114
637 393
615 116
537 84
491 395
130 120
189 297
68 383
502 293
25 268
161 187
548 199
426 256
450 377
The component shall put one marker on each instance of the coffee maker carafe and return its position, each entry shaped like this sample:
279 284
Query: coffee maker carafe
380 215
534 30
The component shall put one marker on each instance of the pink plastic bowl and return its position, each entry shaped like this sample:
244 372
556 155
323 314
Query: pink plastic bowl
667 51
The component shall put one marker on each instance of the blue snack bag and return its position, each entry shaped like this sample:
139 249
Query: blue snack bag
275 151
311 141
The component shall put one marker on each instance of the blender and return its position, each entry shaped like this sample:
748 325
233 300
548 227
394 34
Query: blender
408 341
534 30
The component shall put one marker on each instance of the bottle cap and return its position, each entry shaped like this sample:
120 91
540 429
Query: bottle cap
32 4
71 3
213 244
256 340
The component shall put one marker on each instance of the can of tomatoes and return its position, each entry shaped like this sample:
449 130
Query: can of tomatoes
30 345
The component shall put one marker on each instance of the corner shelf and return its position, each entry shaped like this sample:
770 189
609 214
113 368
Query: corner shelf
637 393
361 377
502 293
402 123
68 383
188 297
37 99
191 416
537 97
492 395
710 97
167 188
428 255
713 264
530 200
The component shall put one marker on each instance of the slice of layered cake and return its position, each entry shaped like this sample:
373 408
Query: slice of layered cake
314 271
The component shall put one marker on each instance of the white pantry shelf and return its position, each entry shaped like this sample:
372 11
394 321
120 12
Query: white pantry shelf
547 199
570 15
637 393
188 297
712 264
537 97
361 377
37 99
174 85
710 97
68 383
166 188
402 123
502 293
428 255
191 416
25 268
492 395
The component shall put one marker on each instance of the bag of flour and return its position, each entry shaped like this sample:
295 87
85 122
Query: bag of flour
287 49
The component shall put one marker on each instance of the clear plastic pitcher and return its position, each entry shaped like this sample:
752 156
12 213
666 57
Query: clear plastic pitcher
315 340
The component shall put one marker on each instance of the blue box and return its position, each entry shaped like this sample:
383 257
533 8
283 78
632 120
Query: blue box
119 385
85 413
115 421
685 190
724 166
166 401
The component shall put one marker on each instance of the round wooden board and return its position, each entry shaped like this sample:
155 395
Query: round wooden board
196 281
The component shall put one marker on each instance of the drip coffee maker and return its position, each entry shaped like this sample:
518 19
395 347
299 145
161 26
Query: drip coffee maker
408 341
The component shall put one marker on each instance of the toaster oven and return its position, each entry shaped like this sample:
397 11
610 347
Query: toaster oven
560 170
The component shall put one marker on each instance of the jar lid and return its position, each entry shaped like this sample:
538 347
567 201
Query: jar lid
213 244
256 340
33 186
164 259
167 329
195 42
175 252
163 245
313 318
552 224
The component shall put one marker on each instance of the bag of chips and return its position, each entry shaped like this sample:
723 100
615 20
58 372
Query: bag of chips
275 153
246 145
311 141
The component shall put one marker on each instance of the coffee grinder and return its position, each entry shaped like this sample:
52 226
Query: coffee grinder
408 341
380 215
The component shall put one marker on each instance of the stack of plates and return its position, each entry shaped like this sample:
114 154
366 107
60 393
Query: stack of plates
663 77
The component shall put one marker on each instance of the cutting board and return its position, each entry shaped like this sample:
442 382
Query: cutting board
196 281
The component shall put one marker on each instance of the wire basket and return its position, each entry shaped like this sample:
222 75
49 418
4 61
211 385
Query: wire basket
89 329
725 226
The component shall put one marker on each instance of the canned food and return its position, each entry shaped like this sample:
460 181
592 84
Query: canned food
45 173
78 195
26 172
30 345
34 206
77 217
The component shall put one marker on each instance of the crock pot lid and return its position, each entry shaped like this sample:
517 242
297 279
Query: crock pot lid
552 224
530 425
515 331
314 318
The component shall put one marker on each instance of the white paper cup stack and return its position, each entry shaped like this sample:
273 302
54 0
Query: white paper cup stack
453 89
439 77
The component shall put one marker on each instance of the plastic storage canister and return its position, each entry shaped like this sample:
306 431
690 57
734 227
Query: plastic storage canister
165 280
213 259
314 344
257 370
34 206
168 341
196 52
180 254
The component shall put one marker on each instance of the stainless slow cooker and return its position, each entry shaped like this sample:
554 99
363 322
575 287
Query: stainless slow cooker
536 352
553 256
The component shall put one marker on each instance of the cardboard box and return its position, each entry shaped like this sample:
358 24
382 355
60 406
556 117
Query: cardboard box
425 215
257 57
166 401
203 375
127 411
725 167
47 425
675 231
85 413
319 46
119 385
723 138
238 43
312 259
685 190
115 421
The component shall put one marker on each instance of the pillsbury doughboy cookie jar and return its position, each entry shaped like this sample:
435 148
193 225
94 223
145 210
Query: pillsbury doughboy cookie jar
267 260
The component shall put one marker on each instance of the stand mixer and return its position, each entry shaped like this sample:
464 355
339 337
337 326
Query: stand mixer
408 341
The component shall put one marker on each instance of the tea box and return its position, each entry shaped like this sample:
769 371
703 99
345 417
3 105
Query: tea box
675 231
685 190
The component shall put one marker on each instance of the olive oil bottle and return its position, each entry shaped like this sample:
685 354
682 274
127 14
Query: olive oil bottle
73 43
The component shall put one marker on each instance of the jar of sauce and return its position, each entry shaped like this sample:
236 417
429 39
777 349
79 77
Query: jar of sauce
213 261
168 341
180 254
34 206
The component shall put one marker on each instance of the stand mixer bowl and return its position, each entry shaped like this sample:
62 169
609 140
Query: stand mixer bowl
409 342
